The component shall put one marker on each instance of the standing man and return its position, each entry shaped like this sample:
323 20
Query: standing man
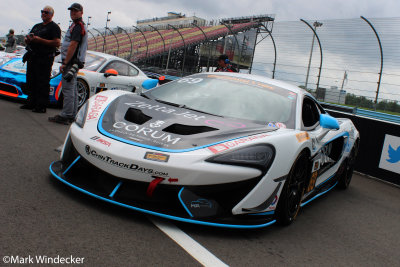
11 42
42 42
73 53
224 65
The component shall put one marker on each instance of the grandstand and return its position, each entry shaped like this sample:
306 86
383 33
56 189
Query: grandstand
174 47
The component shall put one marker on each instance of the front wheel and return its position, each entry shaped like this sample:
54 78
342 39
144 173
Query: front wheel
346 168
83 92
292 192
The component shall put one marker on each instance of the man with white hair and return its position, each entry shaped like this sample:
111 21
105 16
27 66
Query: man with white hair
42 43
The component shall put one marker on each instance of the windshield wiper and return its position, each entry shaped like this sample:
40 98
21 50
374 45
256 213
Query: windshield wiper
143 95
168 103
201 111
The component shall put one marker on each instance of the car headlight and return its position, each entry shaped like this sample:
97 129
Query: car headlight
256 156
80 118
54 73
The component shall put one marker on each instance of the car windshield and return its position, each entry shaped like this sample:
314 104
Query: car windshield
92 61
230 96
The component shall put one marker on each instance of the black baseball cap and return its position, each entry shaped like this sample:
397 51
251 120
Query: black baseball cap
76 6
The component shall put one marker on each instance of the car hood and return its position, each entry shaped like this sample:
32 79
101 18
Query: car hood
139 121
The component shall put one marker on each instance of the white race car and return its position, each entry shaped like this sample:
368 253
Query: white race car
101 72
218 149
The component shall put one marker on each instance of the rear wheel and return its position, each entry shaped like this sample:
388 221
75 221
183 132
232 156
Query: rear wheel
292 192
346 168
83 92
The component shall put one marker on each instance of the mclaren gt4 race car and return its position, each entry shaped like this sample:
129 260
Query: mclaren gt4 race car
218 149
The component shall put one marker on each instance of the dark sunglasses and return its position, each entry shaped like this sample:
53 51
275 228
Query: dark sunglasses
45 12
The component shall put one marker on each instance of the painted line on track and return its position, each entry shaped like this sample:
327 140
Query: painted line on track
197 251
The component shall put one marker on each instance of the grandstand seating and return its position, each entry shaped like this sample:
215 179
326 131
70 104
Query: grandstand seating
153 45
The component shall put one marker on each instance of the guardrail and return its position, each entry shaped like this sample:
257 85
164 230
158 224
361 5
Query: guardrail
363 112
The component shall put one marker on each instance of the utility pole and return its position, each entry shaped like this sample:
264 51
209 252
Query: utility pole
315 24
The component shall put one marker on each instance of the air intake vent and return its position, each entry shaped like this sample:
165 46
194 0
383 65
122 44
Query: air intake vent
136 116
187 129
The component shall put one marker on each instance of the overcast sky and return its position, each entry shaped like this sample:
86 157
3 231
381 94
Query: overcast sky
23 14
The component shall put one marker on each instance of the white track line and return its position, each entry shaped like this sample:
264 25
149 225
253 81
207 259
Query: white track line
196 250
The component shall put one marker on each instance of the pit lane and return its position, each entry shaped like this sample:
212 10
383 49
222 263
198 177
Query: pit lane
41 216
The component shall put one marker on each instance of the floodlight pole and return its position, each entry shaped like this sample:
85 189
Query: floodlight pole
381 50
316 24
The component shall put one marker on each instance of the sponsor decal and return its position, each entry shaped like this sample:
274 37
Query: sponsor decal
313 179
201 203
217 123
301 137
123 165
51 91
231 144
271 124
157 124
101 140
156 156
280 125
81 73
136 131
94 112
316 165
390 155
241 80
185 114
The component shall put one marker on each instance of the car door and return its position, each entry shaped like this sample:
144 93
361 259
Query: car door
127 78
327 147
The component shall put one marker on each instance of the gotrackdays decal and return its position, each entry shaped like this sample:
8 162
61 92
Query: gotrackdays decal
122 165
231 144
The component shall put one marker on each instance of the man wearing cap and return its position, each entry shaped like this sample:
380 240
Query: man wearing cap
73 53
11 42
224 64
42 43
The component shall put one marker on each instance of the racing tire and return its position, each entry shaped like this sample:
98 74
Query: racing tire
83 92
293 190
346 169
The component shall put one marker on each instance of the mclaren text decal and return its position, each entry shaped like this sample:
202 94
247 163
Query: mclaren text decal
122 165
94 111
185 114
138 133
231 144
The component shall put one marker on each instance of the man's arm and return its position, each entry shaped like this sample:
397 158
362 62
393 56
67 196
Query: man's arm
52 43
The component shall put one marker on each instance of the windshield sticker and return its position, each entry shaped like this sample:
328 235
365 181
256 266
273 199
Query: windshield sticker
241 80
190 80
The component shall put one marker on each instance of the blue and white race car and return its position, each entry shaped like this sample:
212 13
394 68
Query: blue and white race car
101 72
217 149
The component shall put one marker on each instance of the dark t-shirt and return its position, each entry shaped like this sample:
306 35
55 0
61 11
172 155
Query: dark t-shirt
50 31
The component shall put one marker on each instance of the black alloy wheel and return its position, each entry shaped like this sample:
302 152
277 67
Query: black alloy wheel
292 192
83 92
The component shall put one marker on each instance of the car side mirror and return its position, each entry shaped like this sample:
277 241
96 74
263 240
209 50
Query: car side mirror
110 72
149 83
328 122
